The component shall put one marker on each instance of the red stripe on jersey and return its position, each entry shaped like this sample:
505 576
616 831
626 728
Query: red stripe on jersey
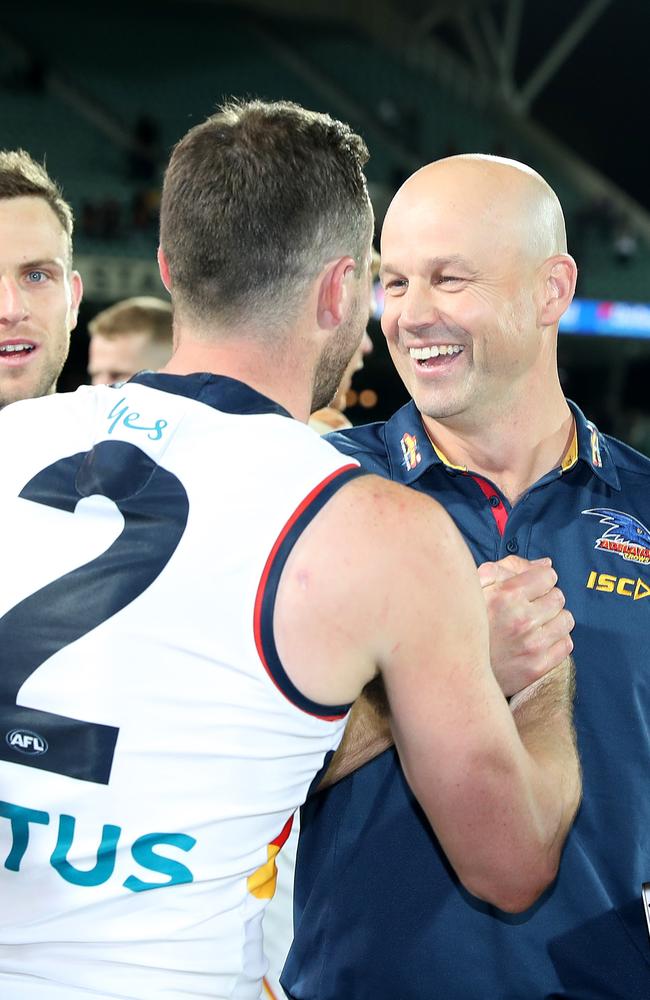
499 512
257 617
283 835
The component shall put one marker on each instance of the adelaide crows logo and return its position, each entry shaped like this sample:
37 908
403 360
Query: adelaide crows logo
626 536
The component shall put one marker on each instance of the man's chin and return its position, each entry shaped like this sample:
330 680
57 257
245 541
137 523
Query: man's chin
439 409
25 389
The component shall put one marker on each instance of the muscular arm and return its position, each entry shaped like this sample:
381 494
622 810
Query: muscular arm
542 714
405 599
500 800
367 734
529 636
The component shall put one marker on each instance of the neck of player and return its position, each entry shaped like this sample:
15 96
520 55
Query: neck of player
276 371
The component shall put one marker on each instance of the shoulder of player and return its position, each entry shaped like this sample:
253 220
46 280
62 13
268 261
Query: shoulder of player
348 584
374 520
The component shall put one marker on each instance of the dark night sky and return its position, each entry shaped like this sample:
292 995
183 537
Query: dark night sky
598 101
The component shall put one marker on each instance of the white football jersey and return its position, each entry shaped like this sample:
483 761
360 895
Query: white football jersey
152 749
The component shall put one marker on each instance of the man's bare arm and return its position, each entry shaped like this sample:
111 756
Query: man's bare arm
529 635
543 716
405 600
367 734
541 706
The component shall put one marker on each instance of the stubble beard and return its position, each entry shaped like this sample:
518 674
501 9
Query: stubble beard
22 385
335 359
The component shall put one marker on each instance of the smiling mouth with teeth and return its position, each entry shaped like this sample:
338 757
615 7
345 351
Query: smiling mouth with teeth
442 350
16 348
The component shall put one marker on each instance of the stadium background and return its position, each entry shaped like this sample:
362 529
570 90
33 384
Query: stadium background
102 92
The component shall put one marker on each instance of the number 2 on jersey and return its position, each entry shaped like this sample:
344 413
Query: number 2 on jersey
154 505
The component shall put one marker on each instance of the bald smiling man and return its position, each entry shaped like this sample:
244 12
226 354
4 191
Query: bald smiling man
477 276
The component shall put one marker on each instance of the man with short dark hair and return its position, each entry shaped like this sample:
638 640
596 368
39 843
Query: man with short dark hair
477 276
128 337
39 291
225 247
177 656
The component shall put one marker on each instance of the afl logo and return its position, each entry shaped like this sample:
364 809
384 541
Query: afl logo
27 742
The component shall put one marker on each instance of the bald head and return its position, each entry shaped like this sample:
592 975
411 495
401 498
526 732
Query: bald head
502 197
476 279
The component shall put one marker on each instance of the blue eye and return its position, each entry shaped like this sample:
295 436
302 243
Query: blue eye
36 277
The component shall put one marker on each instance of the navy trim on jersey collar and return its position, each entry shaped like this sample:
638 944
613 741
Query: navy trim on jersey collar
410 452
218 391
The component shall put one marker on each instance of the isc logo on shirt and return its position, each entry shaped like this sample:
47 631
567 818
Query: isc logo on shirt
625 586
27 742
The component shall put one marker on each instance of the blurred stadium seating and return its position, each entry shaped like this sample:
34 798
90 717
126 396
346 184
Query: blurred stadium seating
78 104
74 89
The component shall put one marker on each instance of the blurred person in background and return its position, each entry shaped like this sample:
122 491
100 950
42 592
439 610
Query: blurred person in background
130 336
39 291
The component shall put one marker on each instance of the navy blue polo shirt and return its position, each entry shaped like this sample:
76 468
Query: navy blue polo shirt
378 911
